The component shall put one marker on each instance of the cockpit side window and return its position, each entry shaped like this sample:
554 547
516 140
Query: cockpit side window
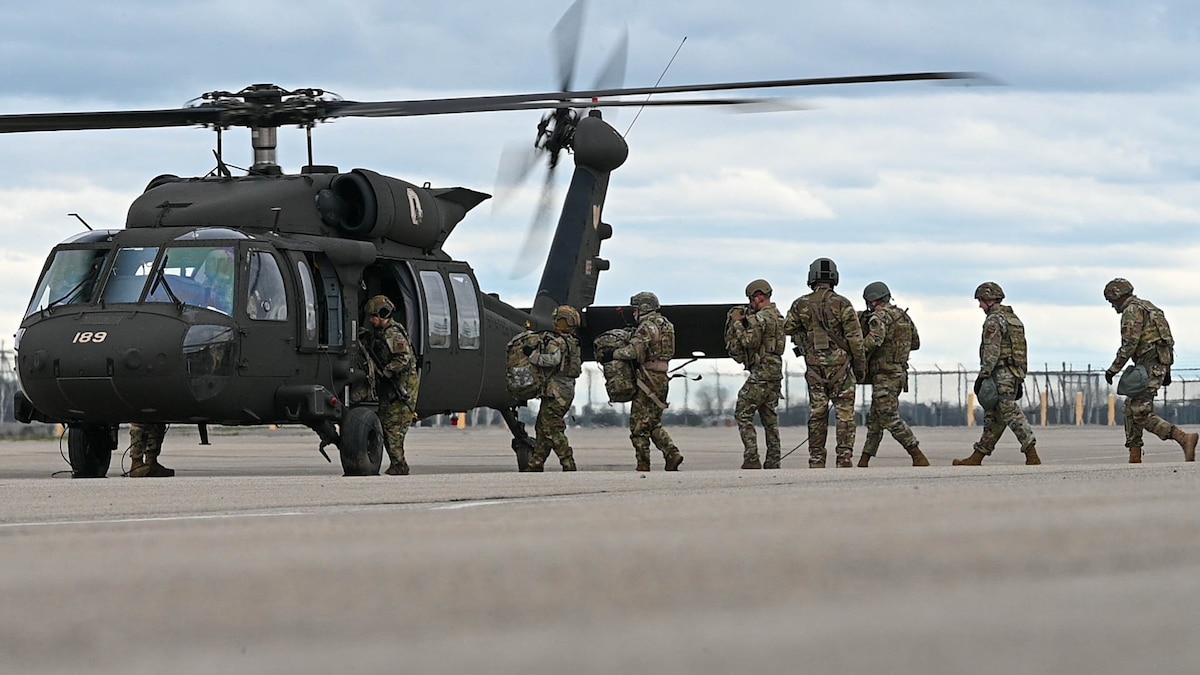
437 304
71 279
201 276
266 295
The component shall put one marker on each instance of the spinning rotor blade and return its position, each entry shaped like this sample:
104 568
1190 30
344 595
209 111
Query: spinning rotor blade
516 162
564 39
539 231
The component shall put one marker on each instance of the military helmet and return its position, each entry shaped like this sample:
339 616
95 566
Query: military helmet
758 286
565 318
645 302
1117 289
380 306
876 290
822 271
989 290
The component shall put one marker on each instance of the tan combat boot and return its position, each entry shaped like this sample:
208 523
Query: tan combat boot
1135 454
567 460
752 463
674 461
975 459
1031 456
397 469
918 457
150 468
864 460
1187 442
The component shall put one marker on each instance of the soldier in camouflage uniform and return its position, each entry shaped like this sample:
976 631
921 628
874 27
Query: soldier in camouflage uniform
650 348
145 444
1003 357
393 375
825 330
1146 340
757 331
561 356
889 336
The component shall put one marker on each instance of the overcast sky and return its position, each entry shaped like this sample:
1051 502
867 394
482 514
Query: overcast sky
1080 168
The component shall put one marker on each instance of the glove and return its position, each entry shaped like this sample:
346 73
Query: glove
979 383
860 372
1020 390
1167 378
1108 376
527 349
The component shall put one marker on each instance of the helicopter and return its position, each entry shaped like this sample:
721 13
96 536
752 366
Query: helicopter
236 299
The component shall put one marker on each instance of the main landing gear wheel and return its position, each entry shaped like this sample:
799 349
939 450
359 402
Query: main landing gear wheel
90 448
361 445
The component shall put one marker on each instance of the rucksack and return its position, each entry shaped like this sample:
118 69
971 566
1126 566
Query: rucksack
733 333
524 379
620 381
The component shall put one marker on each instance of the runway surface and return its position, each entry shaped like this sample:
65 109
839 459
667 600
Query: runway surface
260 557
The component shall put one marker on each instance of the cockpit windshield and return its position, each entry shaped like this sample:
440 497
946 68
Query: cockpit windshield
202 276
70 279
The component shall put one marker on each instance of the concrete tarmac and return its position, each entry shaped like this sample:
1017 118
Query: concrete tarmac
260 557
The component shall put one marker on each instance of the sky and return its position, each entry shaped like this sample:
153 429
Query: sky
1079 168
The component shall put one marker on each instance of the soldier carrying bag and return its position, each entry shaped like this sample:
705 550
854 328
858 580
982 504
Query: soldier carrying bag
524 379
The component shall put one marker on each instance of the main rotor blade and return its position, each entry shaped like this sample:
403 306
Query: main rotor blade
132 119
564 40
612 76
539 230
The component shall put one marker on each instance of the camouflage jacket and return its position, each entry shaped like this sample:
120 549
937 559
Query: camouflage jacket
1145 335
1003 343
560 354
392 365
761 338
890 336
824 327
653 340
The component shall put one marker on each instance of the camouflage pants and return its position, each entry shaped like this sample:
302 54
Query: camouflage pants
1139 411
1006 413
395 416
145 440
885 413
830 385
551 430
645 417
761 397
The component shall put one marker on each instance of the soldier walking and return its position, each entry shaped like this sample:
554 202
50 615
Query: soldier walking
890 335
392 369
560 355
758 342
1146 340
825 329
1003 359
650 348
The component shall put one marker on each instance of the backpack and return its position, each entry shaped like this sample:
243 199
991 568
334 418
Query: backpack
620 381
524 379
733 333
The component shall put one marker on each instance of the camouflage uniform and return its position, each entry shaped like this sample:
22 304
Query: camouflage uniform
890 336
824 327
651 347
759 335
392 368
1003 357
560 353
145 444
1146 340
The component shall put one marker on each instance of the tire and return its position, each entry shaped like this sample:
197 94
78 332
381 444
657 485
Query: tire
90 448
361 445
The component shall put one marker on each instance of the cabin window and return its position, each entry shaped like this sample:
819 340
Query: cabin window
201 276
129 274
71 279
310 300
266 298
467 303
437 304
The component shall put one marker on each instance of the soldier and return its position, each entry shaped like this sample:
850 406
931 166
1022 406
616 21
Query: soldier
890 336
561 356
1003 358
650 348
758 333
825 330
1146 340
392 368
145 444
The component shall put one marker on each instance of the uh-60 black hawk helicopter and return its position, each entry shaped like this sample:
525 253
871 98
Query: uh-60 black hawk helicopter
235 300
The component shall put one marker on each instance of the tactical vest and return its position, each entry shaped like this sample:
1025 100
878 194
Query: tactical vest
1014 353
899 340
1156 339
572 363
661 345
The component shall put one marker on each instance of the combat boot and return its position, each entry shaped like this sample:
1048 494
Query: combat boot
1135 454
975 459
537 463
397 469
1031 456
148 469
674 460
1187 442
752 462
771 464
567 461
918 457
643 465
864 461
